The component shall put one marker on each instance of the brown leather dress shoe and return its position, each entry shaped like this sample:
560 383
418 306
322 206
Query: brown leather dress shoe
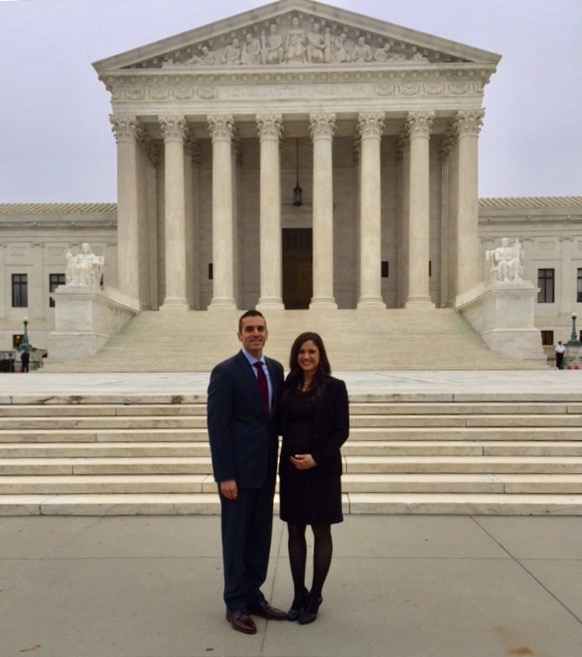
264 610
241 621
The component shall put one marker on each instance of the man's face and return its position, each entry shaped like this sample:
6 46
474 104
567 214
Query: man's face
253 335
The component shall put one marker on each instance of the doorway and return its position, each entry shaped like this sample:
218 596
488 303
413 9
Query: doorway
297 268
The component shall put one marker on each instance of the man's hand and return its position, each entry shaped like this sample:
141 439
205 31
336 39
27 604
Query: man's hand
303 461
229 489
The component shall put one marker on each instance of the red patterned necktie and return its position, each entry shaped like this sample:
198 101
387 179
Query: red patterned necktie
263 386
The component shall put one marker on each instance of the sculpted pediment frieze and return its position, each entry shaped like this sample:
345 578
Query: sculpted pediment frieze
296 39
295 34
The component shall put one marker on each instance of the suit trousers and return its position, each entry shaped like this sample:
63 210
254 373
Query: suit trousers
246 524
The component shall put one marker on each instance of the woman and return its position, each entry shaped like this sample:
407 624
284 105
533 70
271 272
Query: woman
314 425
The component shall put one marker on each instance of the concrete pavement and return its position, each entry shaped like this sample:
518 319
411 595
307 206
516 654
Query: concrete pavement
400 586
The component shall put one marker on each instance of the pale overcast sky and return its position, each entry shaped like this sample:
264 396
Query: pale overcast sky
57 144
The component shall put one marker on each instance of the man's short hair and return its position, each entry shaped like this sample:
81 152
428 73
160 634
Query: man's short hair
250 313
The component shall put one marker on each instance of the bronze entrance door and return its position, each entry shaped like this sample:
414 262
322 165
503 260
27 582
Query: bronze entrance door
297 268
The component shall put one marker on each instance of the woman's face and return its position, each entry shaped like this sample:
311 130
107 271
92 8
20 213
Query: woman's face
308 357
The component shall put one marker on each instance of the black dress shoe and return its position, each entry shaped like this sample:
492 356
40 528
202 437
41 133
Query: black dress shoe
297 606
309 614
264 610
241 621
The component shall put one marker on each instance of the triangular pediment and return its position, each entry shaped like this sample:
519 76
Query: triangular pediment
295 33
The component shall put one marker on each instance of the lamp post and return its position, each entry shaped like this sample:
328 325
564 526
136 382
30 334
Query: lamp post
574 341
25 344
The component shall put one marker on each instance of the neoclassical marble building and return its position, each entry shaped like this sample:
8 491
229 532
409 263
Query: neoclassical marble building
376 123
290 157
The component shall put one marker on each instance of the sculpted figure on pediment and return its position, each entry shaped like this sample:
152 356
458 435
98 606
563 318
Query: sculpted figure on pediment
251 51
295 44
316 45
340 53
272 46
232 53
362 51
206 58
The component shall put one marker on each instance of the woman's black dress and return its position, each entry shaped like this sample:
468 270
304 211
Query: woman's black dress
312 497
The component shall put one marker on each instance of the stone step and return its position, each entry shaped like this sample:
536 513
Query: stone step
104 423
92 436
353 503
163 406
462 464
43 411
351 448
360 483
405 434
352 464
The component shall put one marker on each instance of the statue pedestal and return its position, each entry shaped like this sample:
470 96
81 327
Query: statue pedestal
573 356
85 319
503 315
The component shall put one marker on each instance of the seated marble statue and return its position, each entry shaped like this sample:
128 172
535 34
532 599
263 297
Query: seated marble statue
84 269
506 261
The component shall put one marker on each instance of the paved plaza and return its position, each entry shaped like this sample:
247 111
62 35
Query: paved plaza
538 384
400 586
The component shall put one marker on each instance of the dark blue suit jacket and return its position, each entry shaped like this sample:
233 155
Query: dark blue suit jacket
243 442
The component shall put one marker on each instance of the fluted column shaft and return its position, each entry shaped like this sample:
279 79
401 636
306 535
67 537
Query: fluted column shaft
322 127
468 125
419 124
174 131
221 130
370 128
270 128
125 129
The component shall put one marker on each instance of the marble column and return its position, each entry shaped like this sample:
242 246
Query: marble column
270 128
468 125
125 129
418 125
322 128
192 165
370 128
221 131
403 163
448 161
174 131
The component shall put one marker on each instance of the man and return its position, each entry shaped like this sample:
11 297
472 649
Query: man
560 350
242 397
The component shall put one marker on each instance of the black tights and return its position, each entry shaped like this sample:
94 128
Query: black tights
322 551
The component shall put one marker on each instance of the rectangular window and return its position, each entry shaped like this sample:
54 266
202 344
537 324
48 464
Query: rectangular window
19 290
54 281
546 285
547 338
579 286
385 268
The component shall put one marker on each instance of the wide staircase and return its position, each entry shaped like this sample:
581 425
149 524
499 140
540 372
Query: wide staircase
122 455
395 339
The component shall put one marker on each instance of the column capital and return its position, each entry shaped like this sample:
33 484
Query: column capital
221 127
469 122
419 124
269 126
371 124
125 128
322 125
173 128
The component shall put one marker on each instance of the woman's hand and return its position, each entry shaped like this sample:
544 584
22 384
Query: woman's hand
303 461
